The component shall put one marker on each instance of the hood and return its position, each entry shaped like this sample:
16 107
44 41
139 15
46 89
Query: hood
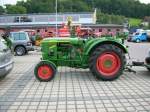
60 39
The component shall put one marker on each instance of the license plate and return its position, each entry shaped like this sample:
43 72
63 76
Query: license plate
8 67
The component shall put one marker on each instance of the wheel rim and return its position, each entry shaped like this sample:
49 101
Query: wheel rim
45 72
137 40
19 51
108 64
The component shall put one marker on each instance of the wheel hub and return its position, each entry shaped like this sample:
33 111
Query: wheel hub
45 72
108 63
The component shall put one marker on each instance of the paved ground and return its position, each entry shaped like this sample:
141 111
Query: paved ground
75 90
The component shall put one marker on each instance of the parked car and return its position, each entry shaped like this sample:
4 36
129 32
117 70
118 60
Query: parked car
139 37
6 59
21 43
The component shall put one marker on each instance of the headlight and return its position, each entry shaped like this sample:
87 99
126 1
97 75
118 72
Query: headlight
29 43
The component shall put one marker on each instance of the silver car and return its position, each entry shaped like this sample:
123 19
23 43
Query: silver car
6 59
21 43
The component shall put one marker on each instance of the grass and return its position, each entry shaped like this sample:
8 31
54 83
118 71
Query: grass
134 22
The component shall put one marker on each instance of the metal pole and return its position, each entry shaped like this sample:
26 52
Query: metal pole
56 20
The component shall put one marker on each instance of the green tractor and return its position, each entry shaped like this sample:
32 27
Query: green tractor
105 57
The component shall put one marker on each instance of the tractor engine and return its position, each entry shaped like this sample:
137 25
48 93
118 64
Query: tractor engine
66 51
62 50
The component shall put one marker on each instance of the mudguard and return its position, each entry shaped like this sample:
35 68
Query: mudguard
93 43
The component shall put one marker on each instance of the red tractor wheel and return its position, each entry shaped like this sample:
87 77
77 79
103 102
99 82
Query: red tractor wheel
107 62
45 71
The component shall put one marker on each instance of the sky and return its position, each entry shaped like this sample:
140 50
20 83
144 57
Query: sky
3 2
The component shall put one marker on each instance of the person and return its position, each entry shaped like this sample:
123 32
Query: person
5 36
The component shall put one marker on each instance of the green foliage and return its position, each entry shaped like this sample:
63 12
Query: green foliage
14 9
38 6
134 22
116 7
109 19
149 25
1 10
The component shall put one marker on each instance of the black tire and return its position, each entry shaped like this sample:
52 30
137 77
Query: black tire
26 52
148 69
20 51
3 76
49 66
148 39
99 52
147 60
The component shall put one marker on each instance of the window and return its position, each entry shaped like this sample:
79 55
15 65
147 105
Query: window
22 19
100 30
38 31
22 36
16 36
19 36
143 33
109 30
17 19
118 30
59 18
137 34
85 15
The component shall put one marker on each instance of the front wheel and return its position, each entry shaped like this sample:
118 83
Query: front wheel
138 40
107 62
45 71
20 51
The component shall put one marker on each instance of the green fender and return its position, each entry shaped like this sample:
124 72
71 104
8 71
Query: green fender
93 43
49 62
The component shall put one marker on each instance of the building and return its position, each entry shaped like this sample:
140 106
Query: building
104 29
146 21
46 23
42 20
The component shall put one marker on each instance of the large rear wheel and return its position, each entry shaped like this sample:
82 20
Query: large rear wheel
45 71
107 62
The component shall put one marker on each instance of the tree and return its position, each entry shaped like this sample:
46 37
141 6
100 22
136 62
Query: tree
1 10
109 8
38 6
14 9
